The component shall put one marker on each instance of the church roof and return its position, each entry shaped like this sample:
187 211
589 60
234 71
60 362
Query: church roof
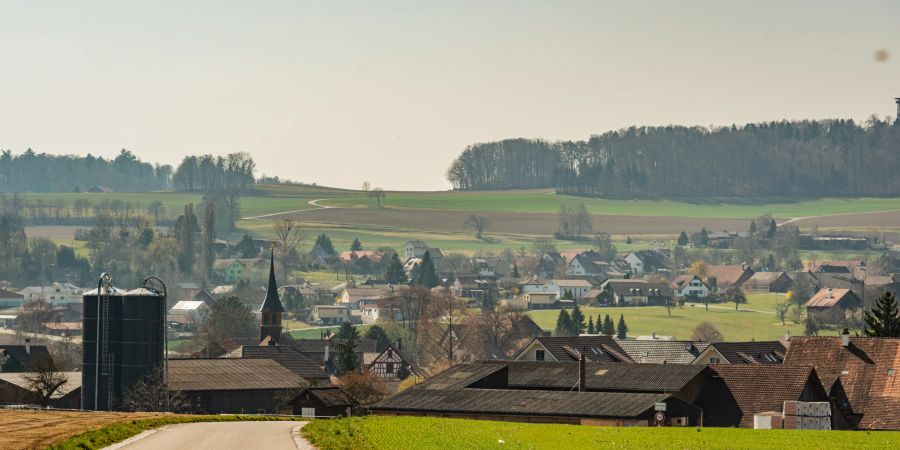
273 301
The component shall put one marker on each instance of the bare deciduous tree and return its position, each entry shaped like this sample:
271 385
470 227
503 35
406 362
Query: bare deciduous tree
152 393
378 194
288 236
706 332
478 223
44 379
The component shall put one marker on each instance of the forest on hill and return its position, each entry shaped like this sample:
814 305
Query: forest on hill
42 172
800 158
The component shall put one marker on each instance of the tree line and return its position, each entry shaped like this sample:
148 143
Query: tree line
802 158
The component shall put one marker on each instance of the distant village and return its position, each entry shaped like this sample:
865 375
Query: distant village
451 337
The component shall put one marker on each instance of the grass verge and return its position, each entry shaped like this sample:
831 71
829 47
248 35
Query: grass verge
375 432
118 432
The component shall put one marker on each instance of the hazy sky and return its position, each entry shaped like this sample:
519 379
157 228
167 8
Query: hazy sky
338 92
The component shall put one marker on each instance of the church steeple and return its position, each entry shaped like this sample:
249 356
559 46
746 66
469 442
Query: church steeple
272 308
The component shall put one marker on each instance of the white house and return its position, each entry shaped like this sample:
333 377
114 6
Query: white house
55 294
637 265
690 286
331 314
559 288
189 312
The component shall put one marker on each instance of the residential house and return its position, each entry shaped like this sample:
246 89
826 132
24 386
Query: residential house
570 348
859 374
539 300
324 402
18 358
391 365
417 249
762 352
635 293
351 296
728 276
474 286
191 313
331 314
324 350
55 293
737 392
648 261
690 286
725 239
233 270
569 289
776 282
15 389
233 385
10 299
834 306
662 352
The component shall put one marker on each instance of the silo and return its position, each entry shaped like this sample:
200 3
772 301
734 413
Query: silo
101 336
127 330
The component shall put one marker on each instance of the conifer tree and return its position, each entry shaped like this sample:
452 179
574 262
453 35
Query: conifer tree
622 329
577 320
683 239
563 324
395 273
427 275
590 329
609 328
515 272
356 245
882 320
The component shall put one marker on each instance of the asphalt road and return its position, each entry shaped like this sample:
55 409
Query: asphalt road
220 436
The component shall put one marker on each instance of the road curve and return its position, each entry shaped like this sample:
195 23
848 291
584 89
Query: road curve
223 436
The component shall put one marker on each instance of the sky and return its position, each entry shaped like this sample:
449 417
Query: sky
390 92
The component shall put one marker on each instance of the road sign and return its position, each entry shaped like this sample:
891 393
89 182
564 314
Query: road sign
659 406
660 417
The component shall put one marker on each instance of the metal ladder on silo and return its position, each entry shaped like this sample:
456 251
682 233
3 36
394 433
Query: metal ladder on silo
104 348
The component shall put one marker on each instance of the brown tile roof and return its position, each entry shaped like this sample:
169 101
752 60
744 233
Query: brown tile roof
867 370
829 297
608 377
332 396
230 374
755 389
663 352
727 276
10 294
597 348
288 357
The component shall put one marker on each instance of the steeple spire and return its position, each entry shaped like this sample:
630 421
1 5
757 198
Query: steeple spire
271 308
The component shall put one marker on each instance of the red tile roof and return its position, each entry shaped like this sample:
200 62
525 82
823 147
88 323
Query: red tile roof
828 297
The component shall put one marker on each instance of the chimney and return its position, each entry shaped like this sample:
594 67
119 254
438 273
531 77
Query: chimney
582 362
845 338
28 346
654 335
787 336
327 351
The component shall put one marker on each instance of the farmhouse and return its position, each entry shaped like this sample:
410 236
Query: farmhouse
234 270
9 299
635 293
689 286
324 402
288 357
392 366
727 276
834 306
859 373
331 314
779 282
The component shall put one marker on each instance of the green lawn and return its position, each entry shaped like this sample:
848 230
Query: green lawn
549 202
734 325
375 432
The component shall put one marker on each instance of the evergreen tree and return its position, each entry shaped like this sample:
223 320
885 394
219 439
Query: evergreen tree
246 248
628 240
752 228
356 245
622 329
590 329
324 243
882 320
577 320
395 273
609 328
186 239
563 324
427 276
704 237
346 348
683 239
515 273
773 229
377 334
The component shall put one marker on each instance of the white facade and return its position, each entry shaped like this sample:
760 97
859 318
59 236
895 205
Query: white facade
637 265
55 294
695 288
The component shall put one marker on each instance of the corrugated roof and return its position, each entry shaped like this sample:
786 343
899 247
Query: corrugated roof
615 377
288 357
230 374
829 297
73 382
332 396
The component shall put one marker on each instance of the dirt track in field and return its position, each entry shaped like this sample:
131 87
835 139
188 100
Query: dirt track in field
507 222
888 219
39 429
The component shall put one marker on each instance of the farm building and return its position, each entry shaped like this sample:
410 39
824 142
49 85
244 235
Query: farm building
779 282
834 306
324 402
16 389
727 276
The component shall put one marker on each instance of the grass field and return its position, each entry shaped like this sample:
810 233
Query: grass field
734 325
374 432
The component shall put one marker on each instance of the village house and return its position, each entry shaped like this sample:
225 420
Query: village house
18 358
690 286
324 402
330 314
9 299
189 313
570 348
417 249
859 374
756 352
538 300
662 352
775 282
54 293
563 289
324 351
351 296
635 293
391 365
728 276
234 270
648 261
474 286
834 306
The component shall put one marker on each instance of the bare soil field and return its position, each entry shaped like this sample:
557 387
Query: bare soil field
510 222
39 429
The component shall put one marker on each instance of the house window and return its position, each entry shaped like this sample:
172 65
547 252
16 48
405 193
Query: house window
539 355
714 360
